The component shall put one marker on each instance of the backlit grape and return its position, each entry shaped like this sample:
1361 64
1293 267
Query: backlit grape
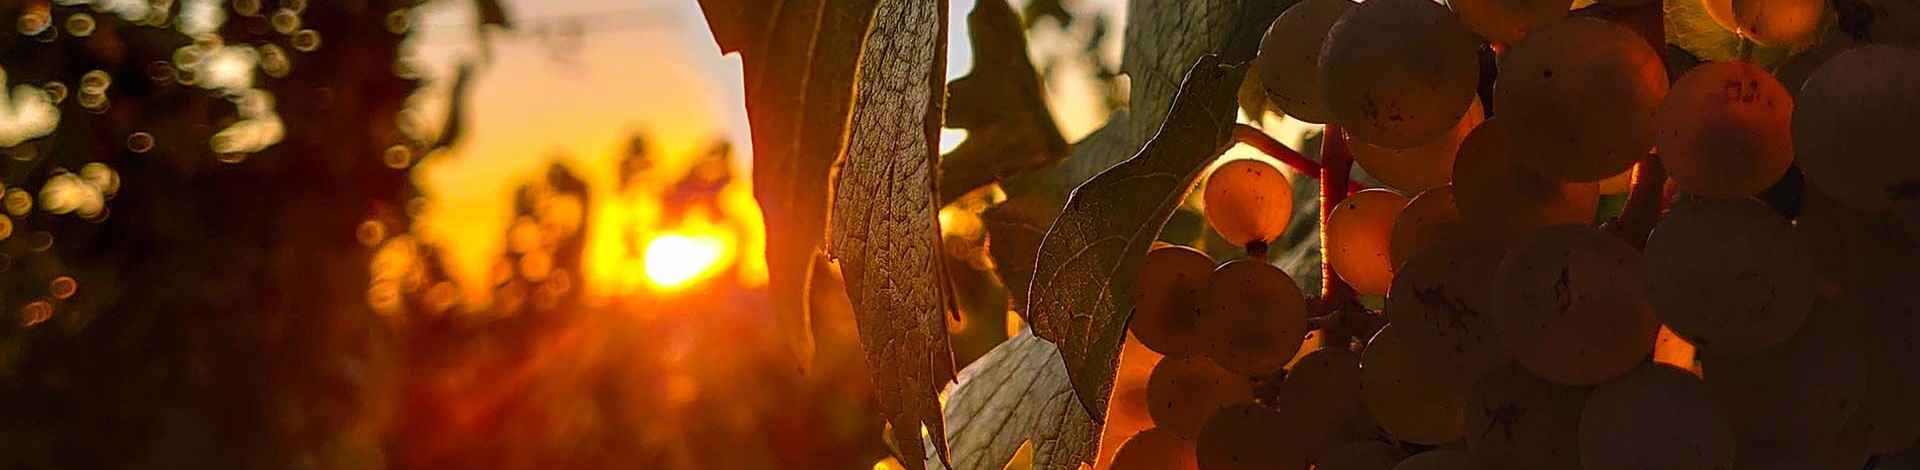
1240 437
1253 317
1430 218
1248 201
1728 274
1358 233
1166 309
1508 21
1657 416
1182 392
1442 307
1516 421
1726 130
1290 57
1398 73
1410 398
1853 126
1571 304
1507 201
1586 90
1155 449
1422 167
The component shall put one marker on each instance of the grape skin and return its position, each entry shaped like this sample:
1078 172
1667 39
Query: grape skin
1290 58
1507 21
1410 398
1440 459
1358 232
1155 449
1254 317
1182 392
1166 309
1398 73
1442 306
1796 395
1240 437
1363 455
1422 167
1769 22
1854 123
1516 421
1657 416
1606 72
1507 201
1726 130
1430 218
1571 305
1319 394
1729 275
1247 201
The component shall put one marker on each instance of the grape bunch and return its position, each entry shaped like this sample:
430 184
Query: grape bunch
1641 263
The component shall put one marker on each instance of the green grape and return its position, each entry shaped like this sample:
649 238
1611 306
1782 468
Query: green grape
1507 201
1729 275
1854 123
1181 392
1429 219
1440 459
1726 130
1253 317
1507 21
1442 306
1585 90
1320 393
1363 455
1248 201
1657 416
1422 167
1408 395
1166 308
1155 449
1516 421
1358 232
1398 73
1571 304
1290 58
1769 22
1796 394
1242 437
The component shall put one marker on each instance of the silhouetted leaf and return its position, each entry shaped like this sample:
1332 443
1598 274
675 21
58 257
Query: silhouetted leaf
799 58
1164 37
1034 199
886 232
1001 104
1089 261
1017 393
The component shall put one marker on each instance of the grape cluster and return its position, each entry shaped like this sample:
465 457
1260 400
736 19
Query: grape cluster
1751 306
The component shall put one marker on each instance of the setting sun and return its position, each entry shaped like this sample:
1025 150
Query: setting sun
675 260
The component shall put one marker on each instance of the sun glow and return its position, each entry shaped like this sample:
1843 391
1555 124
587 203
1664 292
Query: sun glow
678 259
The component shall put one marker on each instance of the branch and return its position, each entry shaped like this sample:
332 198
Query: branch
1645 201
1259 140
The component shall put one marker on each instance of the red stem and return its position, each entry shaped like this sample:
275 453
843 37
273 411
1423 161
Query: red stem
1333 189
1259 140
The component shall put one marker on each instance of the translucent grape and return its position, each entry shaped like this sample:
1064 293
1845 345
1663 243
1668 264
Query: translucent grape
1248 201
1182 392
1853 126
1239 437
1398 73
1253 317
1769 22
1508 21
1657 416
1411 399
1430 218
1442 306
1606 72
1319 394
1670 349
1358 233
1506 201
1290 58
1799 392
1729 275
1516 421
1422 167
1726 130
1166 308
1363 455
1571 304
1155 449
1440 459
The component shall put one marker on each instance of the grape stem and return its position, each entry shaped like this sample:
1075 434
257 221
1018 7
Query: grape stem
1333 189
1259 140
1645 201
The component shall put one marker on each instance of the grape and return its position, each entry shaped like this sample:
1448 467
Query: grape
1729 275
1793 73
1440 459
1657 416
1242 437
1364 455
1166 309
1895 21
1127 413
1319 394
1670 349
1155 449
1412 400
1183 391
1854 123
1254 317
1507 21
1248 201
1290 57
1398 73
1429 219
1571 304
1507 201
1726 130
1799 392
1517 421
1586 91
1422 167
1442 306
1358 232
1769 22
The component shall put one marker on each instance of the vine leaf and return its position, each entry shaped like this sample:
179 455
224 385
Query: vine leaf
1034 199
1001 104
1081 293
799 57
1017 393
886 232
1163 37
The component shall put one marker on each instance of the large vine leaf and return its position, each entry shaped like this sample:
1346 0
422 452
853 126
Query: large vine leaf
799 57
1016 225
1017 393
1001 104
886 232
1089 261
1163 37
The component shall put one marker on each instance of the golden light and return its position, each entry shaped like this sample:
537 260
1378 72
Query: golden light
678 259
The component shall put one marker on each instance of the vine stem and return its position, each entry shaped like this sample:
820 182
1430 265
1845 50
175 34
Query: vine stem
1645 201
1334 181
1259 140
